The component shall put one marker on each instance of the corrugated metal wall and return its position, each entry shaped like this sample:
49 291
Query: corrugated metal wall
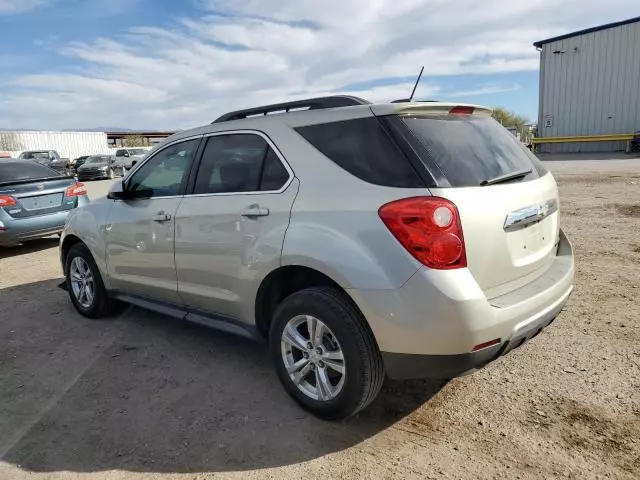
67 144
590 85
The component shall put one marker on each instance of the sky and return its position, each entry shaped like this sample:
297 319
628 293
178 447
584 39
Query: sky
174 64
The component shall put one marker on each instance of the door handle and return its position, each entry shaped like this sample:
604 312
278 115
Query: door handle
161 217
255 212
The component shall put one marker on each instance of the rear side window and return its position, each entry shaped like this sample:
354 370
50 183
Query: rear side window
471 150
238 163
363 149
11 171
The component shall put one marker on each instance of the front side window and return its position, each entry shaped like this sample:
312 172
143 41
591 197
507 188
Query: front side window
163 174
239 163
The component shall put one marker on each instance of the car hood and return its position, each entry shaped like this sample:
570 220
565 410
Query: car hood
92 166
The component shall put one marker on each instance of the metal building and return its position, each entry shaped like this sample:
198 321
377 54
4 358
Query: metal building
590 85
67 144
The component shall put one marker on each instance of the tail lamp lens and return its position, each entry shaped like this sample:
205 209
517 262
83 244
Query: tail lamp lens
76 190
7 201
429 229
462 110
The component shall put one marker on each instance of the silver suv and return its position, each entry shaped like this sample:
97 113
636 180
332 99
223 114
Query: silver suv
407 240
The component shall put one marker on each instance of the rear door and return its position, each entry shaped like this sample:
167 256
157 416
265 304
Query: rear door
140 231
230 229
508 202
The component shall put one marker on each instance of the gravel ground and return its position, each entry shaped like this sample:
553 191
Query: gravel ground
142 396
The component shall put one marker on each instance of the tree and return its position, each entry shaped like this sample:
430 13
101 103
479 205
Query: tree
10 141
135 141
512 119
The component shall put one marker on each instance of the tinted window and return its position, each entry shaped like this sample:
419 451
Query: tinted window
239 163
34 155
470 150
274 175
165 172
16 171
363 149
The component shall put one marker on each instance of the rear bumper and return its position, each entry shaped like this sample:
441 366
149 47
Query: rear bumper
407 366
23 229
430 326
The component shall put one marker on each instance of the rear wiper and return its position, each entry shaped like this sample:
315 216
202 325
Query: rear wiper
506 177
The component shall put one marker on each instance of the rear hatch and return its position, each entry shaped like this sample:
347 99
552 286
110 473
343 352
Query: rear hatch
29 189
508 202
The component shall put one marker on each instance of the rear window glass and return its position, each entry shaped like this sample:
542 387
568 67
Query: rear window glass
363 149
471 150
17 171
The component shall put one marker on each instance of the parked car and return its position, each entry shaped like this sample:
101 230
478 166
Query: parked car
408 240
100 166
5 155
130 156
77 163
49 158
35 201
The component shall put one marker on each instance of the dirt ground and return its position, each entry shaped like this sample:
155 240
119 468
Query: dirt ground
143 396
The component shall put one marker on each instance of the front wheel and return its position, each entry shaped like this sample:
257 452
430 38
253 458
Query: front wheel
84 284
325 354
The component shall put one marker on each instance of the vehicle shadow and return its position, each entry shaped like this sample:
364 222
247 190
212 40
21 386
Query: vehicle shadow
31 246
146 393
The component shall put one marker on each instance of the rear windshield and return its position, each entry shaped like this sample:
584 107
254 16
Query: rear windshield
471 150
17 171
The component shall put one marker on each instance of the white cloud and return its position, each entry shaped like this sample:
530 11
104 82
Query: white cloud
264 51
486 90
14 6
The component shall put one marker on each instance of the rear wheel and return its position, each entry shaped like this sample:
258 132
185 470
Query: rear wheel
325 355
85 285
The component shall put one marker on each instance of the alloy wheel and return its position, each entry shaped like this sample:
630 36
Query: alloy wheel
82 282
313 358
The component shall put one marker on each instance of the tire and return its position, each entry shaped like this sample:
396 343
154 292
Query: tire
348 333
101 305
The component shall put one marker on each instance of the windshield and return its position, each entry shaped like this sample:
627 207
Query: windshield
16 171
35 155
96 160
470 150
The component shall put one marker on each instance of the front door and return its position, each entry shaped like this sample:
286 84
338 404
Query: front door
230 230
140 231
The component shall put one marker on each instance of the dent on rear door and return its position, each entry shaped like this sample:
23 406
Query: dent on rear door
223 256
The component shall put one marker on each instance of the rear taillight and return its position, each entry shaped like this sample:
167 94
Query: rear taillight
7 201
429 228
76 190
461 110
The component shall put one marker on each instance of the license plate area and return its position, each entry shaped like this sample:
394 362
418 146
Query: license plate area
41 202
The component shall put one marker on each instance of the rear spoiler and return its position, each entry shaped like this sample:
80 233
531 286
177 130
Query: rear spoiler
430 108
36 180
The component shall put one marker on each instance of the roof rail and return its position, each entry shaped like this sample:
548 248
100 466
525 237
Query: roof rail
319 103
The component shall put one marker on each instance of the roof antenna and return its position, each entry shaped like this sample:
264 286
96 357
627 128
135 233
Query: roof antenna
416 85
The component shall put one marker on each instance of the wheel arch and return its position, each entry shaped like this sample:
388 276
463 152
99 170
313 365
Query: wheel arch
68 242
285 281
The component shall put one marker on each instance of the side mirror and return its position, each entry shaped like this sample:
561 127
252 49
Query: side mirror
119 192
